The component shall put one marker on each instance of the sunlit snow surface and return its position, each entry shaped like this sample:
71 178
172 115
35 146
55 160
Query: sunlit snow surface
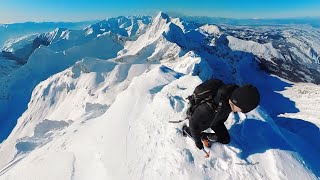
95 104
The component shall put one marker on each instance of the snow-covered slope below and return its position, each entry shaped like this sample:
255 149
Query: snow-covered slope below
102 112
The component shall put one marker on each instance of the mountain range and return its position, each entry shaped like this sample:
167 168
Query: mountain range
94 103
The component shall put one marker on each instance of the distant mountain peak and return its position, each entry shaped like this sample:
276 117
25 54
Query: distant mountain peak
162 15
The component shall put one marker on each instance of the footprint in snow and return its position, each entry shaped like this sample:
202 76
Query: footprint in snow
177 103
188 155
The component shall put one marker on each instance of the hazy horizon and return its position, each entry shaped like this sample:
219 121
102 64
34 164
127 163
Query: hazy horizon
17 11
170 13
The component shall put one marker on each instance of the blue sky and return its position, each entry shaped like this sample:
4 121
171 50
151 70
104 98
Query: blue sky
77 10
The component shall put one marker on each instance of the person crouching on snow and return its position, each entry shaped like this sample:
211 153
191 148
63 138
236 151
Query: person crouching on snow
213 112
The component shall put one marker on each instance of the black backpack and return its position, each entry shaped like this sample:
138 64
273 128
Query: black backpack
204 93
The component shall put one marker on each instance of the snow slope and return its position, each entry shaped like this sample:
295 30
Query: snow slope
104 114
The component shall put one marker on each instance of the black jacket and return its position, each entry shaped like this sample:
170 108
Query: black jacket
205 116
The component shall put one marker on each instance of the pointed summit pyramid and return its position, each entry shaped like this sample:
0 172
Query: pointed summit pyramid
161 16
159 25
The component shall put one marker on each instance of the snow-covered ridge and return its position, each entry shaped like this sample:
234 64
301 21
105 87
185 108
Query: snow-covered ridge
286 48
13 31
100 103
20 49
125 26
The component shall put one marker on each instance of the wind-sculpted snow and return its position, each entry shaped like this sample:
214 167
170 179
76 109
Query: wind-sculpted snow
100 109
43 133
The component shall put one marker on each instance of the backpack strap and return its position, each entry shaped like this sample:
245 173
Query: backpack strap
208 101
217 110
211 107
222 97
204 93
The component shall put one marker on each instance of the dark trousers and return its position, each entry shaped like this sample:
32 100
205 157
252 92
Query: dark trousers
220 134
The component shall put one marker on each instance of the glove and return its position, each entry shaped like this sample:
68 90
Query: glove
199 145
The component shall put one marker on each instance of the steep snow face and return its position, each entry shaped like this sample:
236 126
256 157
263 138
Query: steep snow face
103 106
157 27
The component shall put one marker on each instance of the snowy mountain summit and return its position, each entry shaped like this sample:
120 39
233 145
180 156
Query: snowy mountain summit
95 103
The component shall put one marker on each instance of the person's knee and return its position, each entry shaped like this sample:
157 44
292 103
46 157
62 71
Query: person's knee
225 140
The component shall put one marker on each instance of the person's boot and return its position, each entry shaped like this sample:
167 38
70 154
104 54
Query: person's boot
208 139
185 130
206 142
